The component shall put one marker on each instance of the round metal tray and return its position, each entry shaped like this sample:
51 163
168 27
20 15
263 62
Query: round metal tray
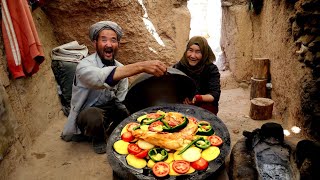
125 171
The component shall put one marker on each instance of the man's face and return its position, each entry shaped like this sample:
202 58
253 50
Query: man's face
194 55
107 45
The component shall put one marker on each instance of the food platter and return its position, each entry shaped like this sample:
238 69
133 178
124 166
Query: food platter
123 170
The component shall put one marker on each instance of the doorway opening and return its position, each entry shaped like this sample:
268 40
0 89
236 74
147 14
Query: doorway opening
206 22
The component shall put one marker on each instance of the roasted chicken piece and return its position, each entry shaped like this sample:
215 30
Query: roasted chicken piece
173 141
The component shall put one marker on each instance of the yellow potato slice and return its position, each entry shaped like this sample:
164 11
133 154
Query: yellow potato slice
144 144
144 127
161 112
151 164
176 156
170 158
191 170
192 154
124 129
136 162
140 118
210 153
121 147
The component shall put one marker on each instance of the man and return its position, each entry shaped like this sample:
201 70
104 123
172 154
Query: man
99 87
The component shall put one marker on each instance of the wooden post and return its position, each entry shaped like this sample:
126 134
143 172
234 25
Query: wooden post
260 68
261 108
258 88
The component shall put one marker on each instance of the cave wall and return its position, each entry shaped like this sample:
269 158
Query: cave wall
269 33
27 105
306 32
70 25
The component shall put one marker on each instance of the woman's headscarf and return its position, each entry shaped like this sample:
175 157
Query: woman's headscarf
207 55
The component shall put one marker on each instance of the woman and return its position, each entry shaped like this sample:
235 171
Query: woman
197 63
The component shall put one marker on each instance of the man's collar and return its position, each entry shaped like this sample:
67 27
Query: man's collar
101 64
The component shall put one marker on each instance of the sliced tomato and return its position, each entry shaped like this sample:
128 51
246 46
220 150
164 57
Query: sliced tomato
173 123
153 115
127 137
134 149
142 154
161 169
200 164
181 166
156 126
132 125
192 119
215 140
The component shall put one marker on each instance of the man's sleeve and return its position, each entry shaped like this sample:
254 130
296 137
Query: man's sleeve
89 76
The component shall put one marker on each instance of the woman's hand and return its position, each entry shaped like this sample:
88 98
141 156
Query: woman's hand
202 98
187 101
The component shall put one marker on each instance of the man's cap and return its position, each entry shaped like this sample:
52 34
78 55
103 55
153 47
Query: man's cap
99 26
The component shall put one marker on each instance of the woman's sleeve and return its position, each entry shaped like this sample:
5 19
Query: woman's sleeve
214 82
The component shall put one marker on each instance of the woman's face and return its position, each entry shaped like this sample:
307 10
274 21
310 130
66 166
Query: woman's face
194 55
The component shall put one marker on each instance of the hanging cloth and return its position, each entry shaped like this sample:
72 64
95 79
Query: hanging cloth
22 45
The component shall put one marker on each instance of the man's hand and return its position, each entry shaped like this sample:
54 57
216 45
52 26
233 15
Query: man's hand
154 67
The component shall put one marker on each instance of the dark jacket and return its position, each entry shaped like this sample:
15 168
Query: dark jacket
207 82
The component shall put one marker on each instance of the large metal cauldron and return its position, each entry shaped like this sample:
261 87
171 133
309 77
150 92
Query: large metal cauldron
124 171
148 90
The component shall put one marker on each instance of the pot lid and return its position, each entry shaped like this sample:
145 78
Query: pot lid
148 90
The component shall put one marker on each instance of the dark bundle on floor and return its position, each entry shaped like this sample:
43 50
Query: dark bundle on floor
308 159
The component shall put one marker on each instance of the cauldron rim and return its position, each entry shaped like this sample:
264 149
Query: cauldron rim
121 168
148 90
144 76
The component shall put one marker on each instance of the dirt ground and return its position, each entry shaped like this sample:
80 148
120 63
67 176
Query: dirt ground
51 158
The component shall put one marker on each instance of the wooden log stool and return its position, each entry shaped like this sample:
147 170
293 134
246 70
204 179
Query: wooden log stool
261 108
